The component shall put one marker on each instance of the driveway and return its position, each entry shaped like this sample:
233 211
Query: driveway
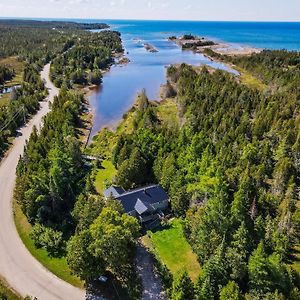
152 285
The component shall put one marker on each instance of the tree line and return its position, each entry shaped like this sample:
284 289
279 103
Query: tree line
69 218
5 74
232 174
53 186
36 43
24 102
40 41
83 63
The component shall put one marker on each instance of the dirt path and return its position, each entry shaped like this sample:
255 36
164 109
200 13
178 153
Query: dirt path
17 266
153 289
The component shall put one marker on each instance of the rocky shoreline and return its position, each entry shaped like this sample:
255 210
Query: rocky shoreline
200 44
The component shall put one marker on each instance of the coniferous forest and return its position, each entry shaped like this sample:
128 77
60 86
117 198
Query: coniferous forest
35 43
230 165
231 170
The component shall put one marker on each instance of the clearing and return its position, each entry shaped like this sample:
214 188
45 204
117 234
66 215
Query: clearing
104 175
173 250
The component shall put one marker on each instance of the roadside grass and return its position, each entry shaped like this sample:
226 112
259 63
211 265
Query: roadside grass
7 292
103 175
248 79
173 249
57 266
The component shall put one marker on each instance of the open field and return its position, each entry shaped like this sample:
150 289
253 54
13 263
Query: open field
248 79
4 99
13 63
167 112
173 249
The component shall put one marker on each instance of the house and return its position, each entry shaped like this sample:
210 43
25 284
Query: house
145 203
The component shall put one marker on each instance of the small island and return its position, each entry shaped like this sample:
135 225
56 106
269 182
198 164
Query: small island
150 48
202 44
190 42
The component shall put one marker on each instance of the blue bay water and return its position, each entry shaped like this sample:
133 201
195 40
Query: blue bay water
147 70
271 35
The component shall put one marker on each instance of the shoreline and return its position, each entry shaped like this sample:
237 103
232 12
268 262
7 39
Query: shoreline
120 60
197 45
221 48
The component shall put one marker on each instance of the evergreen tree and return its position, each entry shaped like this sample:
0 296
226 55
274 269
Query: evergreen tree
183 288
231 292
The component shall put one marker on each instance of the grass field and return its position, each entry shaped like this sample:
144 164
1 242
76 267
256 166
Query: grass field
14 63
167 112
57 266
104 175
248 79
6 292
173 249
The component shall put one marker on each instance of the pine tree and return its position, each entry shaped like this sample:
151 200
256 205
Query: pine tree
258 270
183 288
231 292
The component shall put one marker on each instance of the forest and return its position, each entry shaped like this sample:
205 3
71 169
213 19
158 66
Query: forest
39 41
83 63
53 187
230 166
35 44
232 172
24 101
69 219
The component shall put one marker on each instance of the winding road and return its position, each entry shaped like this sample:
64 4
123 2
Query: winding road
25 274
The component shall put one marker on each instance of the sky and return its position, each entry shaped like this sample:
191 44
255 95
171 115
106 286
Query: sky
225 10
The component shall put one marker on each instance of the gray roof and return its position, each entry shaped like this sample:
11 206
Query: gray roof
147 196
140 207
113 191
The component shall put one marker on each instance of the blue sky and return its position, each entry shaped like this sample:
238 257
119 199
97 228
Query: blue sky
247 10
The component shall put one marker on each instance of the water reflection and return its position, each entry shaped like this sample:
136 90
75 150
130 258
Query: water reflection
145 71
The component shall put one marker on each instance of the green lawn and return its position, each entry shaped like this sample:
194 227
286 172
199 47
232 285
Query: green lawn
57 266
173 249
103 175
6 292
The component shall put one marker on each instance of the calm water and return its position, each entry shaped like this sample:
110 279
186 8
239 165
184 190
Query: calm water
147 70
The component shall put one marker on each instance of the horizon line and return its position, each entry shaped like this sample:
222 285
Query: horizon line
151 20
